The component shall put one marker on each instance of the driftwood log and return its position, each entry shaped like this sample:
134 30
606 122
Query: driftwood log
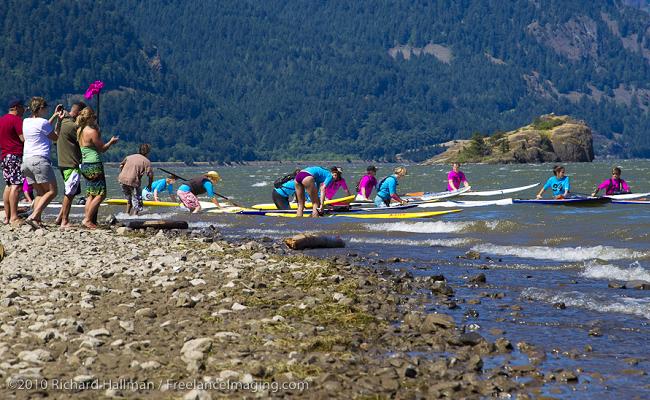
302 241
157 224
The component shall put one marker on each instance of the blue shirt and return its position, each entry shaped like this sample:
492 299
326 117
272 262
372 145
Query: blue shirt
320 174
388 187
207 185
160 185
559 186
287 189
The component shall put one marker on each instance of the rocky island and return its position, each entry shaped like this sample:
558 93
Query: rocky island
550 138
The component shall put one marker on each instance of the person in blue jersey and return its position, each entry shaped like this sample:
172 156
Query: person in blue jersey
201 184
284 188
387 188
159 186
312 181
559 184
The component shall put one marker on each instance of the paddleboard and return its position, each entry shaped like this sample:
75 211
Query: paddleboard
205 205
500 191
642 200
271 206
573 201
424 214
467 204
430 196
224 210
628 196
354 210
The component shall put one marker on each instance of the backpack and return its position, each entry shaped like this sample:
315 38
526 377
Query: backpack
278 183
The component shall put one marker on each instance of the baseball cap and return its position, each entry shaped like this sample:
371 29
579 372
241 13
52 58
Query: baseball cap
15 102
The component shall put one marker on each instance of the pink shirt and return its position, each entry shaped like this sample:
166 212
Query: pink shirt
332 188
457 178
368 182
611 186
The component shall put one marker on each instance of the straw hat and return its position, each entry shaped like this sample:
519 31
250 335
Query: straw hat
214 175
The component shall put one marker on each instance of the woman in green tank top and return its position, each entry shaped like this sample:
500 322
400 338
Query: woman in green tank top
92 169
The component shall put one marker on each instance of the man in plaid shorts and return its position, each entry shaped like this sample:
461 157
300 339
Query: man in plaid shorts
11 156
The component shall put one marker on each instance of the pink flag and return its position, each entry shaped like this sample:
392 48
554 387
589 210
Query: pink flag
93 89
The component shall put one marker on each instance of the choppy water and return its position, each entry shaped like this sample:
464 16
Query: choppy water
540 255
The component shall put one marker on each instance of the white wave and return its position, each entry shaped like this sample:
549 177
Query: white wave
405 242
260 184
122 216
634 272
204 224
600 303
606 253
419 227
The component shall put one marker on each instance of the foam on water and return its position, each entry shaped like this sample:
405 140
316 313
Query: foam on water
442 226
405 242
573 254
260 184
600 303
419 227
634 272
124 216
204 224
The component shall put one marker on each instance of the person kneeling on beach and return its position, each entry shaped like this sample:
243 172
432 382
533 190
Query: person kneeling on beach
196 186
159 186
387 188
132 169
559 184
312 180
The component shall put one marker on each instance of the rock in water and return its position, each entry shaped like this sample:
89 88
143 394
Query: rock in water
302 241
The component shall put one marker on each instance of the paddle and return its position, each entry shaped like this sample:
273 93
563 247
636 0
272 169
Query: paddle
217 194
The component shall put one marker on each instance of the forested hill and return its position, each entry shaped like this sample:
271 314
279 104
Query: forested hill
239 79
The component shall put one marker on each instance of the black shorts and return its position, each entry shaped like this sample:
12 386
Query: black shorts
281 202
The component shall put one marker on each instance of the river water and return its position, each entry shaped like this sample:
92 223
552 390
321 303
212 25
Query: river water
537 256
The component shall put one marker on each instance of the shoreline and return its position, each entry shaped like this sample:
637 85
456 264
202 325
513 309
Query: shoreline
179 307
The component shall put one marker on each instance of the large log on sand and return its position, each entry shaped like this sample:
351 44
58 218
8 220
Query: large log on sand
157 224
302 241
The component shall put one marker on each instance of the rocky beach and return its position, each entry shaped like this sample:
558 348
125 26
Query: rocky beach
115 313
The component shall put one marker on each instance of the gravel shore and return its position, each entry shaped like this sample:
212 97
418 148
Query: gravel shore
115 313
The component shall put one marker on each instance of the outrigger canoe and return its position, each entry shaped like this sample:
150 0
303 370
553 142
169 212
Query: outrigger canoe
271 206
425 214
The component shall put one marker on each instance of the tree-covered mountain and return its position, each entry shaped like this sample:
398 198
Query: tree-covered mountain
237 79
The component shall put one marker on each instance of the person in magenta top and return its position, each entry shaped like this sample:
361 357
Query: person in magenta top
367 184
455 178
11 157
613 185
338 182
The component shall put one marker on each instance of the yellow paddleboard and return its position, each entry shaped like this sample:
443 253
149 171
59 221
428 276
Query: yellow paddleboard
375 215
271 206
147 203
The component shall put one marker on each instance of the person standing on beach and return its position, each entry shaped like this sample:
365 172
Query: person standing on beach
92 168
387 188
132 169
11 156
198 185
312 181
69 157
37 165
367 184
455 177
28 192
